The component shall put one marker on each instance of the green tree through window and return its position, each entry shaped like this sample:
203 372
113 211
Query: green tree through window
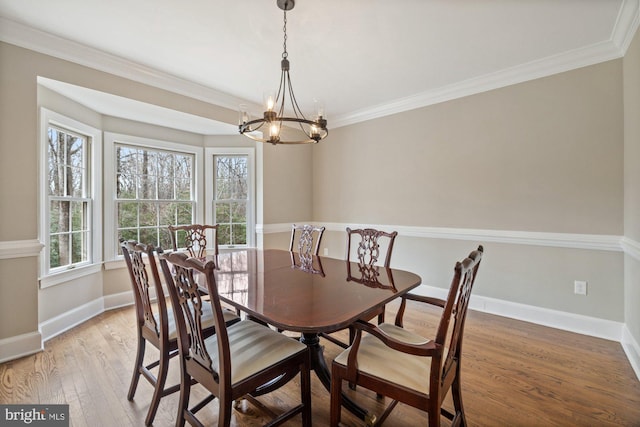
231 198
154 189
68 197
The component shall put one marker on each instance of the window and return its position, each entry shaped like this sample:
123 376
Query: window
70 200
231 195
153 185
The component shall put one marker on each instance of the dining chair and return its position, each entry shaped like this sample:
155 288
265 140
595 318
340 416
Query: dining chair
367 247
194 238
154 323
303 238
239 359
405 366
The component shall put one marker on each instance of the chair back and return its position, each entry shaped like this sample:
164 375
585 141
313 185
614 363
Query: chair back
306 238
367 246
455 310
184 284
133 255
194 238
405 366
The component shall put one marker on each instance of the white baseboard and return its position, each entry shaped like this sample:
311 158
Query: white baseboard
122 299
20 346
25 344
632 349
572 322
65 321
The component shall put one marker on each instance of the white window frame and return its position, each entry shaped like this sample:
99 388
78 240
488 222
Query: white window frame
210 153
110 140
94 139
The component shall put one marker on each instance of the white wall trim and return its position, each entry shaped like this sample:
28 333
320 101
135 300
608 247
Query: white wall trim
20 248
65 321
564 240
23 345
122 299
631 247
40 41
68 275
20 346
626 24
49 44
632 349
571 322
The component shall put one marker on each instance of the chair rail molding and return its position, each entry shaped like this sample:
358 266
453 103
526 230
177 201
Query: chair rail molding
600 242
631 247
20 248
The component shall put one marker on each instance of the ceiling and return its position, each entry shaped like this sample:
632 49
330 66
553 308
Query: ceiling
362 58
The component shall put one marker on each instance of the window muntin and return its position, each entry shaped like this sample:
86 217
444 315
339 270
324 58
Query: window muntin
231 198
154 188
68 199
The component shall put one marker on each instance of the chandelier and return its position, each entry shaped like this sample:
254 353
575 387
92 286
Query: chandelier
274 126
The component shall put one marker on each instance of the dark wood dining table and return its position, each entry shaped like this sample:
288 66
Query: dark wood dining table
307 294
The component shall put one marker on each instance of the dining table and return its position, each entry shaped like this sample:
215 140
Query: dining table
309 294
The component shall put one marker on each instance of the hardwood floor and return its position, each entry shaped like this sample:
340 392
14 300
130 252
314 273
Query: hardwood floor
514 374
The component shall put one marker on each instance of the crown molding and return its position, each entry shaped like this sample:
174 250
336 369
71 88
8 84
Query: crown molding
59 47
624 30
578 58
626 25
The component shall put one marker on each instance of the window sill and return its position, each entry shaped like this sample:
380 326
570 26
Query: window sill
68 275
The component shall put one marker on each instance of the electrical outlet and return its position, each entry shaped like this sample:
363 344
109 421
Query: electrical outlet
326 251
580 287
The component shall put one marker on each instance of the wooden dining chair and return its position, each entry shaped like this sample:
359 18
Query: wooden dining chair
367 247
407 367
306 239
193 238
239 359
154 323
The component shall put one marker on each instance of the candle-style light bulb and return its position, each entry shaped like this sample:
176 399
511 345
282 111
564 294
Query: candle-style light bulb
318 107
243 114
269 101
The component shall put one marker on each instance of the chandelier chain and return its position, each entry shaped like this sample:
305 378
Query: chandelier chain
269 127
284 29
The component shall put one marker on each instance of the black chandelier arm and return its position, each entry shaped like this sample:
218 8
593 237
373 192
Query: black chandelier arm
274 115
294 102
246 129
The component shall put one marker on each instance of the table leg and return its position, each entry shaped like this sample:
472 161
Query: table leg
312 341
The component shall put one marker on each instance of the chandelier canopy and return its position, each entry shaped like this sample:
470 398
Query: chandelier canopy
297 129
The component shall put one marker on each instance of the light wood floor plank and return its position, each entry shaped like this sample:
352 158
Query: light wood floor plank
514 374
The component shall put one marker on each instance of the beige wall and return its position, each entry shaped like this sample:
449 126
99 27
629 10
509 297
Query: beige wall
287 183
541 156
18 296
19 69
632 184
545 155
